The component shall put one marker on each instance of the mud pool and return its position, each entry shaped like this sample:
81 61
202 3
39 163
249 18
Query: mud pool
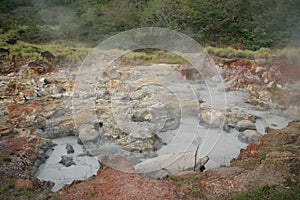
85 166
219 145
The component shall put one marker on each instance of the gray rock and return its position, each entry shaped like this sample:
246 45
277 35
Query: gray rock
67 161
164 165
42 155
213 118
69 148
49 184
249 136
216 78
245 125
89 135
79 141
226 127
56 123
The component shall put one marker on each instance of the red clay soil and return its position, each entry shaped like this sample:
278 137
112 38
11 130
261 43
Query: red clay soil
113 184
16 154
266 161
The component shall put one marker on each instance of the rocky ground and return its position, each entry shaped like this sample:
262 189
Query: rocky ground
36 106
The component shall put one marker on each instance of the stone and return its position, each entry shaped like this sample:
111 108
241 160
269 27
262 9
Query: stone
213 118
67 161
164 165
245 125
226 127
216 78
49 184
249 136
116 162
89 135
69 148
138 140
79 141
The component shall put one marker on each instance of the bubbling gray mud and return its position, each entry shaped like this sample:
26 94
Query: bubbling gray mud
214 142
85 166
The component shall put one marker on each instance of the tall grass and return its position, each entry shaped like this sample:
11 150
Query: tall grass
72 52
62 50
291 55
153 56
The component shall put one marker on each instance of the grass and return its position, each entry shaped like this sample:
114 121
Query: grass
148 56
7 185
27 192
290 55
191 181
9 189
63 50
229 52
71 52
267 193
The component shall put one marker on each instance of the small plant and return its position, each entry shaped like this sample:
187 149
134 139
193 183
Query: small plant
152 56
191 181
288 178
263 154
6 185
27 192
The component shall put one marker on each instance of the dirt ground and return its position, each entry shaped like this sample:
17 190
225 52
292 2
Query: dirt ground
273 160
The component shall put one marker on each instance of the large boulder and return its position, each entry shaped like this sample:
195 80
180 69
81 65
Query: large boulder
249 136
170 164
245 125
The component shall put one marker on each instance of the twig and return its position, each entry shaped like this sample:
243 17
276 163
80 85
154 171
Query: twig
196 157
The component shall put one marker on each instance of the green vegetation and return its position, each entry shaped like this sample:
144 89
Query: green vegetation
191 183
266 193
11 188
244 24
148 56
289 54
63 50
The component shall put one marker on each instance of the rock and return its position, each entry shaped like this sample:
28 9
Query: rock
42 155
211 117
138 140
141 117
116 162
67 161
249 136
134 120
216 78
56 121
69 148
164 165
226 127
79 141
49 184
89 135
39 66
259 69
245 125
